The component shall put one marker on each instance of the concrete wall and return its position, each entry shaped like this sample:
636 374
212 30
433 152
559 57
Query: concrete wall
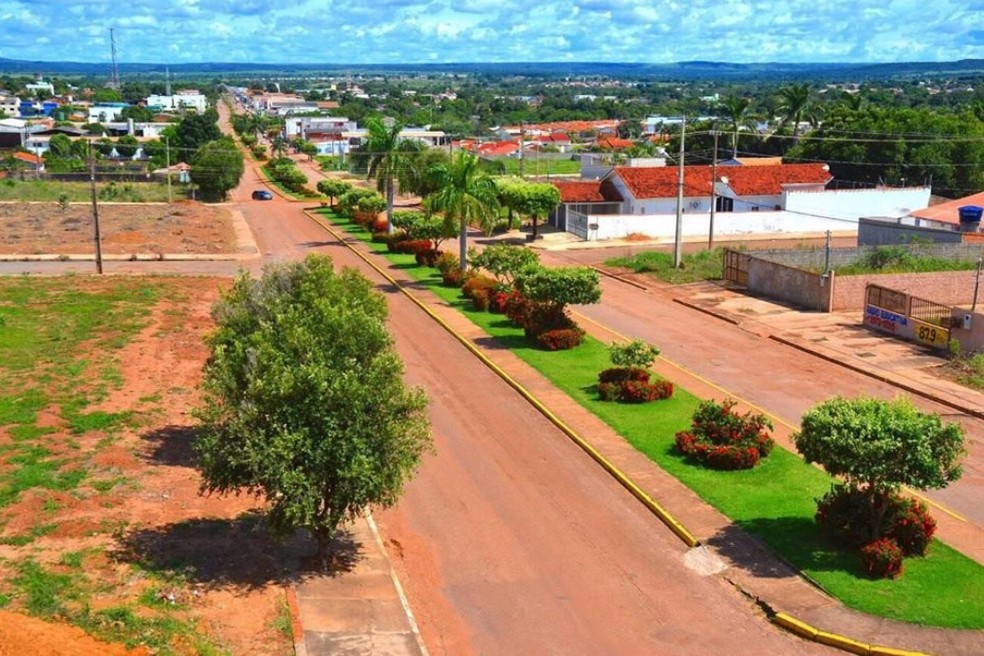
851 204
795 286
696 224
878 232
814 258
945 287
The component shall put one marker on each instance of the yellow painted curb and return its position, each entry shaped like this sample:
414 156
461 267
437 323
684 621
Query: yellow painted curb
840 642
664 516
809 632
790 623
888 651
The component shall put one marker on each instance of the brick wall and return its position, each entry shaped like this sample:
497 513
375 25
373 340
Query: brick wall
946 287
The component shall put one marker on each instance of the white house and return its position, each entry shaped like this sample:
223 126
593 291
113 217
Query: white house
782 198
101 112
187 99
10 105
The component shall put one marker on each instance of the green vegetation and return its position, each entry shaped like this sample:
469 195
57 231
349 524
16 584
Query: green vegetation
53 191
535 166
702 265
903 259
775 501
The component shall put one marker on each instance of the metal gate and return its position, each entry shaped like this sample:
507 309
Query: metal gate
919 319
736 267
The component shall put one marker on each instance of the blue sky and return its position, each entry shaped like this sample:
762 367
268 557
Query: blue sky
393 31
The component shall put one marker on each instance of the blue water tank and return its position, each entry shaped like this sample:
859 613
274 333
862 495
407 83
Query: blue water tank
970 213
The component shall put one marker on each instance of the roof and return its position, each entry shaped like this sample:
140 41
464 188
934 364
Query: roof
614 143
593 191
947 212
758 161
30 158
661 182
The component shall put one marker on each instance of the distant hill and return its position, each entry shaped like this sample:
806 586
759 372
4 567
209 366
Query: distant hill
692 70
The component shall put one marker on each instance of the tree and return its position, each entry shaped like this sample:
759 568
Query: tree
794 103
127 146
736 111
304 403
537 199
59 146
389 159
466 195
193 132
138 113
505 261
333 189
878 446
216 168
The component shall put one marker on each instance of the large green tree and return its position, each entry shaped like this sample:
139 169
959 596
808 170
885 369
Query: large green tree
537 200
216 168
193 132
878 446
304 403
736 112
795 104
466 195
390 159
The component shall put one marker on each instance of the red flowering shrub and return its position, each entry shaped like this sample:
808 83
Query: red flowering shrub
723 439
498 300
517 307
882 558
480 300
622 374
426 258
380 225
560 339
452 277
912 527
637 391
608 391
413 246
843 514
476 285
446 261
664 388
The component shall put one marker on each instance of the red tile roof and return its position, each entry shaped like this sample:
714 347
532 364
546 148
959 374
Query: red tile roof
596 191
947 212
614 143
30 158
661 182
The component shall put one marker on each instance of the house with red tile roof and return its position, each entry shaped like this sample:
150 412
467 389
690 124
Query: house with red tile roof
31 161
946 214
777 198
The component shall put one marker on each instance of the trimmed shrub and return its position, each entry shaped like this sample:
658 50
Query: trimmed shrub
427 258
664 388
452 277
637 391
413 246
608 391
446 262
478 285
497 301
882 558
517 307
480 300
560 339
380 225
912 527
723 439
623 374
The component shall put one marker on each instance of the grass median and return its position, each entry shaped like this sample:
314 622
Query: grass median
775 501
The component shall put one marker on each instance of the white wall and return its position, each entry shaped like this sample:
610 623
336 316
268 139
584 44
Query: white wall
852 204
616 226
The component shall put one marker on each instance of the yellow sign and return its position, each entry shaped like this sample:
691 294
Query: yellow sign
930 334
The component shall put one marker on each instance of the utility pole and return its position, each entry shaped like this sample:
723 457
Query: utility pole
714 177
95 209
678 241
167 160
522 128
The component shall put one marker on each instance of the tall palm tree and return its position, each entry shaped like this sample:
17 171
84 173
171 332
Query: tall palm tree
794 103
466 195
736 111
390 159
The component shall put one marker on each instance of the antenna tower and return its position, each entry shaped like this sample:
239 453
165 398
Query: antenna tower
167 80
114 81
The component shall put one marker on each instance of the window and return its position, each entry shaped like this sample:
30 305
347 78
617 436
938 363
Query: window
724 204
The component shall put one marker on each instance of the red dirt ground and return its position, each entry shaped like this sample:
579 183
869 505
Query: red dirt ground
232 578
181 227
21 635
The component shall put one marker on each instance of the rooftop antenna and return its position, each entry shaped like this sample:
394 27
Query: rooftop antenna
114 81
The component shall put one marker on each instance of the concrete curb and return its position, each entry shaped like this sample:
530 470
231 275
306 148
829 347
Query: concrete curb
661 513
133 257
781 619
296 629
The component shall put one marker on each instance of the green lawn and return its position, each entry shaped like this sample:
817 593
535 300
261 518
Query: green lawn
774 501
702 265
77 192
541 167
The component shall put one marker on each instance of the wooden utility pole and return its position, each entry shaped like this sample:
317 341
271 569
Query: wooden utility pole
167 159
95 209
714 177
522 127
678 241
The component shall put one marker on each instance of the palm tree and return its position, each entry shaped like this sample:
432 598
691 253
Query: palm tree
390 159
466 195
736 110
794 103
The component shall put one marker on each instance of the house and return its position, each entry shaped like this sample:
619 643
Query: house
784 198
945 215
186 99
583 198
102 112
613 143
10 105
31 161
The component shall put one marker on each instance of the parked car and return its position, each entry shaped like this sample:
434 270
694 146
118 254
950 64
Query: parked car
262 194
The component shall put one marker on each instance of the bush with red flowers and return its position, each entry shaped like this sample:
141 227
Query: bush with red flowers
844 515
413 246
723 439
427 257
560 339
622 374
882 559
643 391
912 527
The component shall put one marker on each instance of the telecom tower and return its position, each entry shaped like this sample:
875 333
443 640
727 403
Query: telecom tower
114 80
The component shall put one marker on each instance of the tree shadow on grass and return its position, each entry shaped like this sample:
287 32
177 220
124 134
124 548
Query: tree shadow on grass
238 552
503 343
778 547
170 445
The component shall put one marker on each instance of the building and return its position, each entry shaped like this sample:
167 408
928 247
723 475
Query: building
40 87
10 105
785 198
102 112
180 100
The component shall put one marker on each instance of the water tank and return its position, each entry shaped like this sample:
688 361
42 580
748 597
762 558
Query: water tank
970 217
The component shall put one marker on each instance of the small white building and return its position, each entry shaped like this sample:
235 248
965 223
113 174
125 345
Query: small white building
102 112
187 99
10 105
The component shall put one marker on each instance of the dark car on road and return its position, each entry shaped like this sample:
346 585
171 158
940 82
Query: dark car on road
262 194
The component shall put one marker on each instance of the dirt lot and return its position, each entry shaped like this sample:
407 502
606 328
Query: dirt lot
181 227
101 522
